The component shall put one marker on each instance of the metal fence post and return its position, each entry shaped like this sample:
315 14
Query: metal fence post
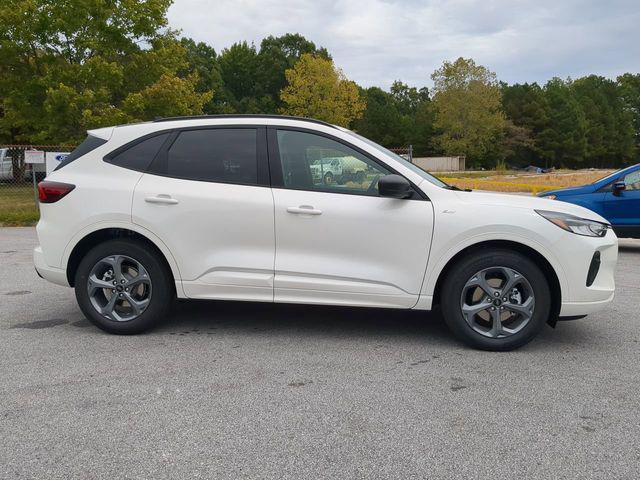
411 153
35 188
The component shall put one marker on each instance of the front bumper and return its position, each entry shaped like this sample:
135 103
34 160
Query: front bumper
52 274
582 298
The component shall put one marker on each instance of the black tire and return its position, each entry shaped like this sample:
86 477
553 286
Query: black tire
328 178
466 268
162 288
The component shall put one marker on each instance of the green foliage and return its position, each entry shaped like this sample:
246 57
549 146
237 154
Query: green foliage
501 166
527 109
469 116
629 88
563 141
278 54
609 126
169 96
403 116
316 88
69 66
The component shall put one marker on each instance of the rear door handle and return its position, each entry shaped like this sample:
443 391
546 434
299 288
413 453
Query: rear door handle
304 210
161 199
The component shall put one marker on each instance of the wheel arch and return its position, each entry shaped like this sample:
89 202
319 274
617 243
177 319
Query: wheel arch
83 242
547 269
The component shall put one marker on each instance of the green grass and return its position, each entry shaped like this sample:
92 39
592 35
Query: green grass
17 205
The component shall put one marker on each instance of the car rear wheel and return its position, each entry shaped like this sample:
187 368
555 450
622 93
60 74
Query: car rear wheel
497 300
123 287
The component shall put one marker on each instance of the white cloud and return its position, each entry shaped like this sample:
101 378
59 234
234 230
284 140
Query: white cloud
378 41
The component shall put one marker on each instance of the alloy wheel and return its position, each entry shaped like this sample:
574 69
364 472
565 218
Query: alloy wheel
119 288
497 302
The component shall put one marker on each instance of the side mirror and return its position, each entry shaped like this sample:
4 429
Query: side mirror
394 186
618 188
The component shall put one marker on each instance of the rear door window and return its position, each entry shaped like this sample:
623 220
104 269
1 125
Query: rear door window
223 155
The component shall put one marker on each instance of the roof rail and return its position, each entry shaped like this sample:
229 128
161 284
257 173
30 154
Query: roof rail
243 115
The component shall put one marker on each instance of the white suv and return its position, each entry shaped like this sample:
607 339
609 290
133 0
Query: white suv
227 207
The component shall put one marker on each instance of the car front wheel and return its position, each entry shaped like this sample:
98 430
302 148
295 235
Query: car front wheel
496 300
123 287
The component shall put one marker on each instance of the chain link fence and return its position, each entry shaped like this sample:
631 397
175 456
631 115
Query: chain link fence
406 152
18 178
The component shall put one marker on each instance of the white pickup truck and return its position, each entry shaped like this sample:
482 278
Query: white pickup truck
6 167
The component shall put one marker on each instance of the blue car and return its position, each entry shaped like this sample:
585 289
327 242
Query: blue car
616 197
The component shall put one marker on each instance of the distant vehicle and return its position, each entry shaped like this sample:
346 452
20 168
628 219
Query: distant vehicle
6 168
615 197
328 170
339 170
227 208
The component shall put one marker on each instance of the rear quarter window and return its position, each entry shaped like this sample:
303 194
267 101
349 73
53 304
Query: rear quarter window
138 155
89 144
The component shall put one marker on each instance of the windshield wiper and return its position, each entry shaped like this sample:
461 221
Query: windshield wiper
457 189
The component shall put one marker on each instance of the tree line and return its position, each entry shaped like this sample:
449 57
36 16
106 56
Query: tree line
66 67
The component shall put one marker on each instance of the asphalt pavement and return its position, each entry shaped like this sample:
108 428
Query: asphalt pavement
249 390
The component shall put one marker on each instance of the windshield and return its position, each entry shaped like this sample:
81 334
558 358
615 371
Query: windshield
607 177
414 168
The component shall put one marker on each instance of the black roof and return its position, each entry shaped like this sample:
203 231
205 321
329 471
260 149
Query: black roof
249 115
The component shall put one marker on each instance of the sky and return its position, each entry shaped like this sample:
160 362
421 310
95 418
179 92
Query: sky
378 41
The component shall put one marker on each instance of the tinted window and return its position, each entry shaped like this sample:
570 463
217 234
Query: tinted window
90 143
226 155
140 155
314 162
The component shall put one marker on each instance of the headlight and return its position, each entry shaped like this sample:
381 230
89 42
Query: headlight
573 224
551 197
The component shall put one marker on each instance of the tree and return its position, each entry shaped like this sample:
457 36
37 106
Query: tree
630 93
527 111
316 88
381 121
69 66
563 142
468 113
169 96
408 99
278 54
239 69
609 127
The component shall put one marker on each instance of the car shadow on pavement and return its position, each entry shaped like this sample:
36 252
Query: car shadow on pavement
286 319
322 322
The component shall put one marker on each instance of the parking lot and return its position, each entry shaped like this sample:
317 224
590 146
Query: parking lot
233 390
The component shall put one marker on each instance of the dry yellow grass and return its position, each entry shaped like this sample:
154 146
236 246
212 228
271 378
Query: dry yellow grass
524 182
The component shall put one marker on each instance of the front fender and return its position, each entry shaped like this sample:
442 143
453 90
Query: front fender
439 258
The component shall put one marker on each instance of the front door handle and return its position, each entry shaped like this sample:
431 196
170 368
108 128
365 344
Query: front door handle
161 199
304 210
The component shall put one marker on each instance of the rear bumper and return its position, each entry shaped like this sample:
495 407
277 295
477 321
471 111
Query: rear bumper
51 274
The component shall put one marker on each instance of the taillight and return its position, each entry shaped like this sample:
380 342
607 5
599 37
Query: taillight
51 192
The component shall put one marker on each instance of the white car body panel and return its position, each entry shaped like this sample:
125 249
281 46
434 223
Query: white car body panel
234 258
343 255
239 242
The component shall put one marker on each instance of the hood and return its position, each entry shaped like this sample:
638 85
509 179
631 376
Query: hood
568 191
527 202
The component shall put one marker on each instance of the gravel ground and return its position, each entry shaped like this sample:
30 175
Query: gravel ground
233 390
